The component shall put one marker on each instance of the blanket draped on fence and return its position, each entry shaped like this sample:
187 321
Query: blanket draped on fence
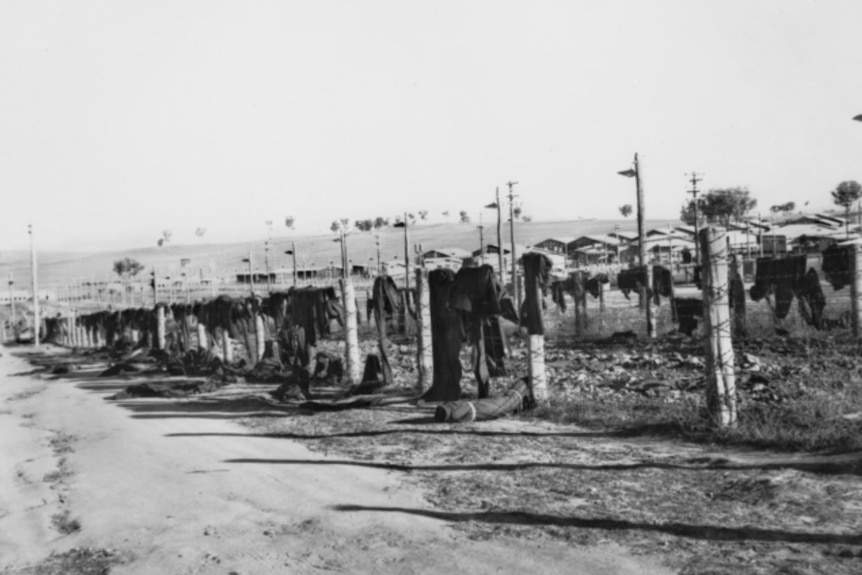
445 338
537 269
476 296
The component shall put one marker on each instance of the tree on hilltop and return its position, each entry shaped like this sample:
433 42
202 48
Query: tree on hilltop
844 195
720 206
127 268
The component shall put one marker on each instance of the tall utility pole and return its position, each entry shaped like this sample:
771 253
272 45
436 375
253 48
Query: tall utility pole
499 235
344 261
406 254
635 173
693 191
266 265
34 278
499 207
515 286
292 251
250 261
377 245
481 239
11 299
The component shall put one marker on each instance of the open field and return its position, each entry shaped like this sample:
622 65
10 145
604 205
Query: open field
59 268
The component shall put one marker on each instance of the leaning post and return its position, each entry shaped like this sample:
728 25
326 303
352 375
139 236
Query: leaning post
720 376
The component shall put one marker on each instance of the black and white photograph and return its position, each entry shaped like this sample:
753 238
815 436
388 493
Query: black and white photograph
398 287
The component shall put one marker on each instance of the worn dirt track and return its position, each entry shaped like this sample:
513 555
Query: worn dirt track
156 487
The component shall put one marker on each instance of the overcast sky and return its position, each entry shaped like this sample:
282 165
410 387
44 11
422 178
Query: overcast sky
120 119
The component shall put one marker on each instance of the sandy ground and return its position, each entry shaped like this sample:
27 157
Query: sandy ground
156 489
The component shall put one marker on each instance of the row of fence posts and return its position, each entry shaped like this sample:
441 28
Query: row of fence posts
720 393
720 374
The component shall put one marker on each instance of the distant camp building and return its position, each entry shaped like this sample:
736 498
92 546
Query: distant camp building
595 249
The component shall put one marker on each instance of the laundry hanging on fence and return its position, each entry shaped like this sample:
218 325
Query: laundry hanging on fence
475 294
837 266
811 299
594 284
314 308
632 279
537 269
688 312
782 277
386 303
445 338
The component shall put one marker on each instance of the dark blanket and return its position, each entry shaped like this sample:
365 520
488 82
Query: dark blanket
837 266
781 276
537 269
445 338
476 295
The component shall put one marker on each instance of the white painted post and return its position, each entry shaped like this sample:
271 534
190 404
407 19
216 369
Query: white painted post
227 349
856 291
351 332
74 329
160 328
720 376
538 376
202 337
260 336
424 351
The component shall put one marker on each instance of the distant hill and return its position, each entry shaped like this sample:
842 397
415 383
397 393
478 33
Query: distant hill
57 268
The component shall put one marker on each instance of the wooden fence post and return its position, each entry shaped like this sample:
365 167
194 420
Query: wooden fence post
856 290
535 327
75 329
260 337
579 294
227 349
203 344
648 289
160 327
601 297
737 295
424 352
351 335
720 376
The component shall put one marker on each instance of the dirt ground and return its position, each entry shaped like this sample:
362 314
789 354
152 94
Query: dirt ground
233 482
181 486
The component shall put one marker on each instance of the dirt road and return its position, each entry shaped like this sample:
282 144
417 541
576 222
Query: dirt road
152 490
